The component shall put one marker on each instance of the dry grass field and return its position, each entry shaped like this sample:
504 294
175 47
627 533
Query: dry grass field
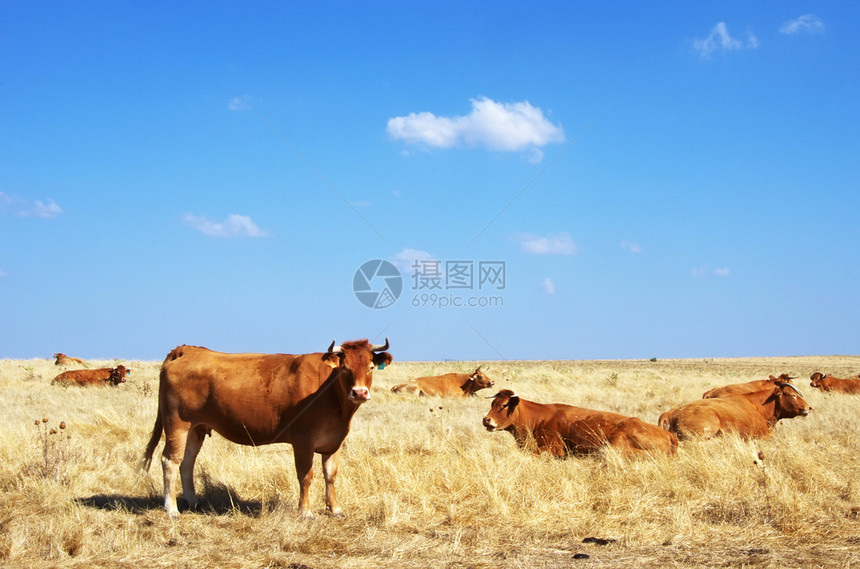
423 485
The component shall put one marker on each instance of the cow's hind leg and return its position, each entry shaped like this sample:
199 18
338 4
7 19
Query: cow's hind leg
175 435
186 470
330 463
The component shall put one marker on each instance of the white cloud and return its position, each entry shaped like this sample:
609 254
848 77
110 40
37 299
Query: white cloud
22 208
234 226
720 39
700 272
239 103
807 23
497 126
552 244
632 247
548 286
407 259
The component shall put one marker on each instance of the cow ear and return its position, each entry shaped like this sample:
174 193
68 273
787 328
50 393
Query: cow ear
513 401
382 359
333 359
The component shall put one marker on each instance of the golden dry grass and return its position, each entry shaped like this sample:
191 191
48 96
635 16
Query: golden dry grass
423 485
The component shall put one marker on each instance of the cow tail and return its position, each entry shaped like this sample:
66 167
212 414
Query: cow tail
157 429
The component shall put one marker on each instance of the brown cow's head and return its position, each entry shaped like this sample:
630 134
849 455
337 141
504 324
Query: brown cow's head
355 362
118 375
815 379
477 381
789 402
783 378
59 356
501 414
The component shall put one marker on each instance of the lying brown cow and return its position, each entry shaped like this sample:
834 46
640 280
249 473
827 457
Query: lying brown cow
98 377
749 387
826 382
64 360
257 399
563 429
448 385
749 415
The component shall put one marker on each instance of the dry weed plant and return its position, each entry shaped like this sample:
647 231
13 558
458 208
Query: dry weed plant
423 484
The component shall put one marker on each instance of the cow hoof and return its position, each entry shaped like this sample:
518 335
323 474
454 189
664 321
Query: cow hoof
336 513
306 515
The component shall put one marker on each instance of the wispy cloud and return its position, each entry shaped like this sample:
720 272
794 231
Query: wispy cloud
807 23
497 126
234 226
407 260
632 247
242 103
551 244
700 272
721 40
23 208
548 286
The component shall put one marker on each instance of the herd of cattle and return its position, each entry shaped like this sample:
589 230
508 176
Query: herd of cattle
309 400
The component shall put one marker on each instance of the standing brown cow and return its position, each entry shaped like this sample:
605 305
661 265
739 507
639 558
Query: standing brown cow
750 415
257 399
563 429
748 387
448 385
97 377
64 360
825 382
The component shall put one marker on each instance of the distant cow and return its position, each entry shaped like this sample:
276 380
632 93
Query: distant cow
563 430
257 399
64 360
826 382
448 385
748 387
98 377
750 415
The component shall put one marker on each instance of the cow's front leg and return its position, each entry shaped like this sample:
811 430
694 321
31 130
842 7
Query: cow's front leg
305 473
330 463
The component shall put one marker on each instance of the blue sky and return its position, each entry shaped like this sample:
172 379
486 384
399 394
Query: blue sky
664 181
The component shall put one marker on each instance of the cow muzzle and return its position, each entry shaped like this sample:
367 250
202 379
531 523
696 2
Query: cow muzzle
489 424
359 394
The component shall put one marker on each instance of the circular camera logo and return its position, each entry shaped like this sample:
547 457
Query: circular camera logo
377 284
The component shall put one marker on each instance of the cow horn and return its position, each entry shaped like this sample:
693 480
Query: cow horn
382 348
332 349
781 384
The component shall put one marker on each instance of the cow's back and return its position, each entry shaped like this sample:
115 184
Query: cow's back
245 397
583 430
634 436
447 385
83 377
706 418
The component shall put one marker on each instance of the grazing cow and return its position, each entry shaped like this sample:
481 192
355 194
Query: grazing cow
749 387
98 377
256 399
448 385
64 360
750 415
563 429
826 382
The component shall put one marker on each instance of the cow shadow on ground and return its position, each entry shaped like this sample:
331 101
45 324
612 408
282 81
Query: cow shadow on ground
217 499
